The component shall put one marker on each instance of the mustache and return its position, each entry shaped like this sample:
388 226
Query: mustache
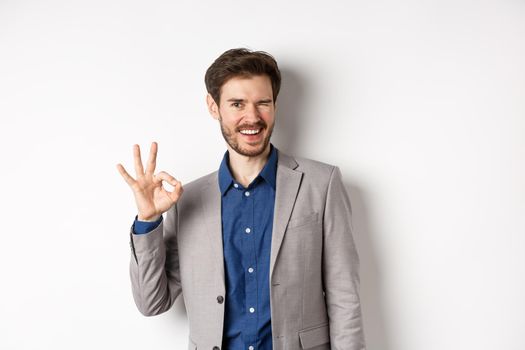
259 125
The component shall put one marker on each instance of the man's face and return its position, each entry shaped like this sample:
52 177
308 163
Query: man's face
246 114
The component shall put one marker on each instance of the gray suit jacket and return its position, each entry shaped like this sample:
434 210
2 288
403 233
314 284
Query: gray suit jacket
313 278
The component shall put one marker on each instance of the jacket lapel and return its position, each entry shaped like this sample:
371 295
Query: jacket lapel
211 201
287 186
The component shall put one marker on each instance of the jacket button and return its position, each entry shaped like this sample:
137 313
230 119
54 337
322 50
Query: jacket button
216 348
220 300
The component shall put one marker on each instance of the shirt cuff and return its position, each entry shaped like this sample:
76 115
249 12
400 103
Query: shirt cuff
143 227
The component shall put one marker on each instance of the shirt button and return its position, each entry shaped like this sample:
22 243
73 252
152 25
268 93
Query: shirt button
216 348
247 193
252 310
220 299
250 270
250 347
248 230
236 185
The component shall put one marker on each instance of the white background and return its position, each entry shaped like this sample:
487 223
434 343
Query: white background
421 104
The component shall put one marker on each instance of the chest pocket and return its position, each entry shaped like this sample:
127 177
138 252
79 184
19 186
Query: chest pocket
303 220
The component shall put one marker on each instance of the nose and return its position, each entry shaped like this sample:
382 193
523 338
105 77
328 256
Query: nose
252 112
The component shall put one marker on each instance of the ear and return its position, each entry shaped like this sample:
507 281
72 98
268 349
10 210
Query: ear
212 107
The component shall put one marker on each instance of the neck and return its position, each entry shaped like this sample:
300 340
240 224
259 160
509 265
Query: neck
245 169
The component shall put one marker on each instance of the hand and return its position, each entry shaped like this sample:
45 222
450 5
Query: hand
151 197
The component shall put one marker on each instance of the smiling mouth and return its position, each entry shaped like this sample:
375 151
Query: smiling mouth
250 131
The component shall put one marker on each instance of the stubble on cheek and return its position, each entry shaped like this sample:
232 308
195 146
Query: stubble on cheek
228 136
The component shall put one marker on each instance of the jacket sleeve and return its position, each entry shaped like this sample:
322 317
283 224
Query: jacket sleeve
341 270
154 266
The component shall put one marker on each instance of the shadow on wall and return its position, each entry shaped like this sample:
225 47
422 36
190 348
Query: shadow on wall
376 330
292 97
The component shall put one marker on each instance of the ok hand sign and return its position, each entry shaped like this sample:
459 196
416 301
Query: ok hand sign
150 196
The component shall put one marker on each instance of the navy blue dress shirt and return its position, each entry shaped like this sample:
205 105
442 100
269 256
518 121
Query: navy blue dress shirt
247 222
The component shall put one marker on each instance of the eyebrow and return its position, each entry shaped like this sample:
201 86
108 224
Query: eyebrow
235 100
266 100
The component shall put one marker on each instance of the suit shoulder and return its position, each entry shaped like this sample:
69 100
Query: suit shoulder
314 167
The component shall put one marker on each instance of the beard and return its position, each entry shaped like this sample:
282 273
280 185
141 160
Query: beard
232 138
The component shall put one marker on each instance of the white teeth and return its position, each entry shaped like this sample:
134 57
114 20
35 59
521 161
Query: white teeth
250 132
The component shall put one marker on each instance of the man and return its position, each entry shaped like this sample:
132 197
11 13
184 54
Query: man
262 249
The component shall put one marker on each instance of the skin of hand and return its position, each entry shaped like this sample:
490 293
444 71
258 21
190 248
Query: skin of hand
150 196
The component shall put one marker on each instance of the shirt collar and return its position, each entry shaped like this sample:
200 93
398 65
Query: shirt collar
268 172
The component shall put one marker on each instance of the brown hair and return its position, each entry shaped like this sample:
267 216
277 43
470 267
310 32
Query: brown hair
241 62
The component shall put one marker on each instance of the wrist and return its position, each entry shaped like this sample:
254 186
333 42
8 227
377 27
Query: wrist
148 218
